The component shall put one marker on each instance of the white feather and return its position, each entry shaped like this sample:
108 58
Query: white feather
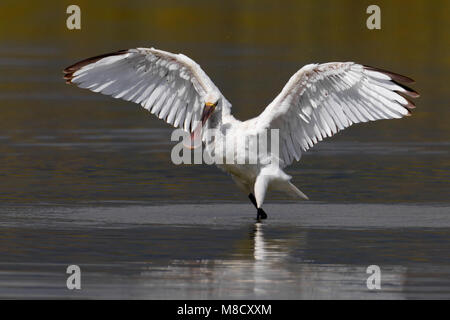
158 80
327 98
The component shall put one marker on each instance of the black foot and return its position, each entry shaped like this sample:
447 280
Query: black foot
261 215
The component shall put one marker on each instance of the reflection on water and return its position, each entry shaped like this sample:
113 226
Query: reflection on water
218 252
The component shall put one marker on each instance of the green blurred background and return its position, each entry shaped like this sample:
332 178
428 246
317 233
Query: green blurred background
257 44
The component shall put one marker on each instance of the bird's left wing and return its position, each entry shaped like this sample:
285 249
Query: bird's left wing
171 86
322 99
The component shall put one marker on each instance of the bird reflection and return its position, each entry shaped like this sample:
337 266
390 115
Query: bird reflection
265 252
259 245
267 258
262 266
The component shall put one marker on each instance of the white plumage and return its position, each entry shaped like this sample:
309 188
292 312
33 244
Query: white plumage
318 101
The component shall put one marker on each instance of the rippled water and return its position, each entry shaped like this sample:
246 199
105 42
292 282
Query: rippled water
216 251
87 180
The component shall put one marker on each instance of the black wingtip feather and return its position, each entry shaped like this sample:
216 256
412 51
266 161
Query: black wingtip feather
393 75
397 78
410 105
409 92
69 71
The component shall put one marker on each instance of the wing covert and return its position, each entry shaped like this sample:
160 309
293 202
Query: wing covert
322 99
171 86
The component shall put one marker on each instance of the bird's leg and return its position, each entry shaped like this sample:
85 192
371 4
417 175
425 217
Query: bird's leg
260 215
253 200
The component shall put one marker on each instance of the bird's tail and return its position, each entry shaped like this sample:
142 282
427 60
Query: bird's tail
293 191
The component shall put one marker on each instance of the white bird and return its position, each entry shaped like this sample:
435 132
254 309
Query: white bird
318 101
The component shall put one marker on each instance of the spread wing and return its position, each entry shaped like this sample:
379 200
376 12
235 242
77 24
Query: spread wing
171 86
322 99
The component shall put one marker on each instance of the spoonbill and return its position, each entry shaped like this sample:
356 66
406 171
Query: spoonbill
318 101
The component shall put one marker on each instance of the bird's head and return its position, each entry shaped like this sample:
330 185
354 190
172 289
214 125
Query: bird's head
209 106
211 101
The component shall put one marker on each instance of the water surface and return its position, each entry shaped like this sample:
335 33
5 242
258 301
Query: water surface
87 180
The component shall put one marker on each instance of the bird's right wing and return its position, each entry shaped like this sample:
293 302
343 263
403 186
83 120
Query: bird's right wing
322 99
171 86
